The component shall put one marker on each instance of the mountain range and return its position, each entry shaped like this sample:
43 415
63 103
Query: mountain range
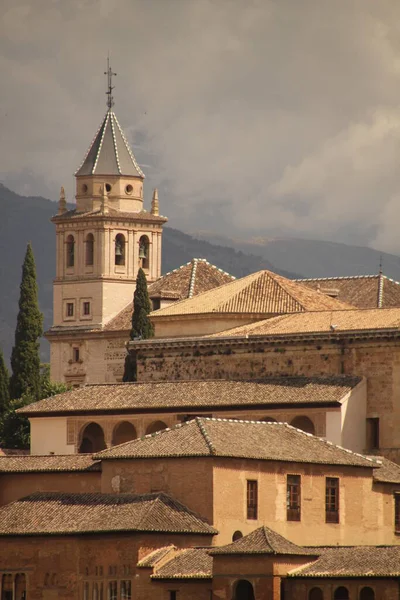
27 219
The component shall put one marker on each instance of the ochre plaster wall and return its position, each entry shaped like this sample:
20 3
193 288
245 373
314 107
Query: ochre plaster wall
188 480
17 485
366 514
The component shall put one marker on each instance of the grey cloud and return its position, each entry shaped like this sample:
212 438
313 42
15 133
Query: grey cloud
253 115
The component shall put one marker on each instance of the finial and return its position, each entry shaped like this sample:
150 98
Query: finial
62 204
154 203
381 264
104 200
110 87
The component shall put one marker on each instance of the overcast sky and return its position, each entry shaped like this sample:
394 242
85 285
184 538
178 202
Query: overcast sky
251 116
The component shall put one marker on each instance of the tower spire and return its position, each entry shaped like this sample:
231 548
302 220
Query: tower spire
155 208
110 87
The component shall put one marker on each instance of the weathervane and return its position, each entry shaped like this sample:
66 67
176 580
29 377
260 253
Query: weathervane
110 87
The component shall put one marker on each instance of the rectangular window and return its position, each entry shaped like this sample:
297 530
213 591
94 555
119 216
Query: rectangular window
112 590
397 513
70 309
75 354
86 308
126 590
252 499
293 498
372 433
332 500
173 594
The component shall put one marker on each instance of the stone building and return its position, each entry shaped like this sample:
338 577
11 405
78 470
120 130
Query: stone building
212 508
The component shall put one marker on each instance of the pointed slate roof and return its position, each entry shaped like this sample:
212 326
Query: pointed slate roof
261 292
109 153
262 541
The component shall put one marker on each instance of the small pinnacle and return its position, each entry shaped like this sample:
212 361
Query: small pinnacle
62 204
155 209
104 200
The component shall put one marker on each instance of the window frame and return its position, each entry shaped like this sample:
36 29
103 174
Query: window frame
293 497
252 499
332 499
70 252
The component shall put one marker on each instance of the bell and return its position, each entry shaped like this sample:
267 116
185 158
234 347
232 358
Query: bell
118 250
142 251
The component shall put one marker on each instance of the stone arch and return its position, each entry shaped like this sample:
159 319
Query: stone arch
156 426
120 249
20 586
237 536
124 431
367 593
144 252
341 593
243 590
92 439
89 250
268 420
70 251
304 423
316 594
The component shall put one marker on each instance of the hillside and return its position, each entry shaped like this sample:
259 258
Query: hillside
313 258
27 219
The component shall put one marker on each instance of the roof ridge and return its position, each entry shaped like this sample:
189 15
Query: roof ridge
193 277
115 143
205 435
267 540
90 146
105 123
334 278
139 170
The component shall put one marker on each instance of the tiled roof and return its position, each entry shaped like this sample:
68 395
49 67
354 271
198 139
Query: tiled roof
48 463
263 292
53 513
388 472
356 561
113 213
191 563
191 279
150 560
109 153
196 394
320 322
362 291
262 541
237 439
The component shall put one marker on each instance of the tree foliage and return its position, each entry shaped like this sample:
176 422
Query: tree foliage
4 385
142 327
25 359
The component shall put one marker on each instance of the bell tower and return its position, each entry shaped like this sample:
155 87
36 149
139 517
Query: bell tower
102 242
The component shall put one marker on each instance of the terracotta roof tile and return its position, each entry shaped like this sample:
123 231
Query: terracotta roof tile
191 279
320 322
197 394
48 463
260 293
362 291
52 513
388 471
262 541
154 557
356 561
237 439
191 563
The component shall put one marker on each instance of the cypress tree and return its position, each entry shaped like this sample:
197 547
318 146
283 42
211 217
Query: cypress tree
142 327
25 360
4 385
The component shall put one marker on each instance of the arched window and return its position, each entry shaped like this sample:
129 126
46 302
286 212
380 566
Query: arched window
70 251
268 420
120 249
20 586
124 432
316 594
303 423
89 253
237 536
367 593
92 439
156 426
243 590
144 246
341 593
